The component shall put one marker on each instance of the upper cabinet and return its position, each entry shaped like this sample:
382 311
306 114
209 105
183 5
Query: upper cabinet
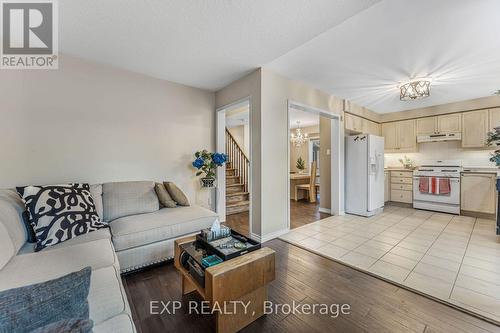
355 124
450 123
475 127
400 136
426 126
494 118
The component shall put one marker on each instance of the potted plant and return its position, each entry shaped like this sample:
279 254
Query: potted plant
494 140
206 163
300 165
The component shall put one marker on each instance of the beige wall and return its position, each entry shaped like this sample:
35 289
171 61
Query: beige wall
249 86
361 111
241 136
276 91
302 151
93 123
325 161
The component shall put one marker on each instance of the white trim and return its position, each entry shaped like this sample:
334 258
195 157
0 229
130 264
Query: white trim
270 236
325 210
221 192
337 164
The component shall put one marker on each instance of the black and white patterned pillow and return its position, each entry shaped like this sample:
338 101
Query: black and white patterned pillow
60 212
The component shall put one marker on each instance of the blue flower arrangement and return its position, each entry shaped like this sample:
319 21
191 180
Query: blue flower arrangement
206 162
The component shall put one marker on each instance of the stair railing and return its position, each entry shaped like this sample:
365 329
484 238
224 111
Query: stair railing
239 160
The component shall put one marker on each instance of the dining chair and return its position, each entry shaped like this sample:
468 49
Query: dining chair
312 188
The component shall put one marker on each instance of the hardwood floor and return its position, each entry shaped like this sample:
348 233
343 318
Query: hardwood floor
304 277
302 212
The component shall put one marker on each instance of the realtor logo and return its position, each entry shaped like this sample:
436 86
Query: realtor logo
29 34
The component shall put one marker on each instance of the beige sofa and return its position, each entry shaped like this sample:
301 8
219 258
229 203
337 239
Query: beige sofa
140 234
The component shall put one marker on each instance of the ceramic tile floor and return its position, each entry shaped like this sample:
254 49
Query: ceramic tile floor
453 258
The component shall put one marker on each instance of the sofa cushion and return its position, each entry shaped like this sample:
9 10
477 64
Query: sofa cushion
105 297
121 323
11 214
96 193
29 307
103 233
60 212
6 246
46 265
176 194
164 197
128 198
137 230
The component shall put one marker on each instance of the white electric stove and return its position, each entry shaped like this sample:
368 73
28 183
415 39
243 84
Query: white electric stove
448 203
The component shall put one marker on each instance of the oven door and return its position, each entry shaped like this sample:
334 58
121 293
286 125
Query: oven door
451 198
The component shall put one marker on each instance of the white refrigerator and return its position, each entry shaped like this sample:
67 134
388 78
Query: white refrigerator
364 174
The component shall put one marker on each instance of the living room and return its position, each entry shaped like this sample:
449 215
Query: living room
150 178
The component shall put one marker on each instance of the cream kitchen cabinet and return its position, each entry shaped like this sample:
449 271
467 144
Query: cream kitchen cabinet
494 118
387 186
400 136
478 193
426 126
401 186
357 124
475 128
354 123
449 123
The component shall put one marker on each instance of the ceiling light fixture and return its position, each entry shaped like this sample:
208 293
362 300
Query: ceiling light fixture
415 89
299 138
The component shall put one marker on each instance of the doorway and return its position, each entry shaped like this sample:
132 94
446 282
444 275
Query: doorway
234 185
315 155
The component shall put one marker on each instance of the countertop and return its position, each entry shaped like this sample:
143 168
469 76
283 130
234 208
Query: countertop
397 169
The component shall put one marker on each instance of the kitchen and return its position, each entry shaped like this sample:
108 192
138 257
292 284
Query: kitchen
447 141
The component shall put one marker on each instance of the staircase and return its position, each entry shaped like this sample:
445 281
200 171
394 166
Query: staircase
237 168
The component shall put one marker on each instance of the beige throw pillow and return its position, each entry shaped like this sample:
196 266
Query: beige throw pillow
176 194
164 197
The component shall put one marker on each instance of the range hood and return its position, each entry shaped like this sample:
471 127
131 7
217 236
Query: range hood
439 137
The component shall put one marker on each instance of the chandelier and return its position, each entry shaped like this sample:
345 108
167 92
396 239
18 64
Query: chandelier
415 89
298 138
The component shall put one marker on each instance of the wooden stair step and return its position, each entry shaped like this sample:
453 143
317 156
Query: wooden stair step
237 207
232 188
236 197
236 193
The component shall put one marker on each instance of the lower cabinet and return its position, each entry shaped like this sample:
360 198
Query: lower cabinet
402 186
478 193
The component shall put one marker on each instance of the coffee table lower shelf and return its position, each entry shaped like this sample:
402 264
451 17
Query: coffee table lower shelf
242 280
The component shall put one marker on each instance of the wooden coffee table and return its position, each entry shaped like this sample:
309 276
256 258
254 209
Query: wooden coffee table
244 279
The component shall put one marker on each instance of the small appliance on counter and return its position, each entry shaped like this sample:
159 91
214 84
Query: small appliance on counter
436 186
364 174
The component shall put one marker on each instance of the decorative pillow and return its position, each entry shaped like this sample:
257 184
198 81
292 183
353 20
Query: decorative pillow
176 194
67 326
27 308
164 197
60 212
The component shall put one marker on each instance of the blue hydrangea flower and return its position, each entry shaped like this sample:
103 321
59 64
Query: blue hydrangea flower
198 163
219 158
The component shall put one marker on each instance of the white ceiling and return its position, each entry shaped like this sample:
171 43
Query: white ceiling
306 118
456 42
201 43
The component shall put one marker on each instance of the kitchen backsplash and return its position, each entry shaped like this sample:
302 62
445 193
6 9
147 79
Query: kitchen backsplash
450 150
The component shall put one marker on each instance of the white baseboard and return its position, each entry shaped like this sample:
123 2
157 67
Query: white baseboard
325 210
270 236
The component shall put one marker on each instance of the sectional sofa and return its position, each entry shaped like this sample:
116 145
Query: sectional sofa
140 233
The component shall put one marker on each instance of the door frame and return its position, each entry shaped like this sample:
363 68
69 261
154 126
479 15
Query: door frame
336 155
220 146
